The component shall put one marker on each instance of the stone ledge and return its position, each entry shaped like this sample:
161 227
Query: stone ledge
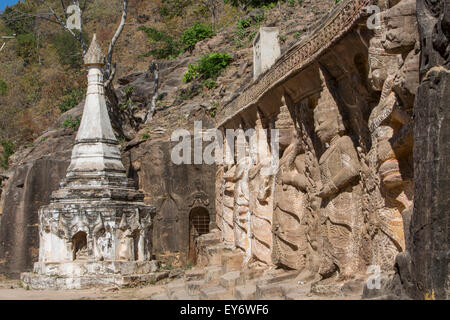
44 282
101 268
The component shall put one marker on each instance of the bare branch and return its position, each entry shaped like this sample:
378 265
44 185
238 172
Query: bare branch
151 112
84 5
57 20
64 9
111 76
108 71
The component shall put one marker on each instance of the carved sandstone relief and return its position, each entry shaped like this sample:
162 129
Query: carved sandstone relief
261 200
290 247
228 205
343 191
241 209
391 121
341 212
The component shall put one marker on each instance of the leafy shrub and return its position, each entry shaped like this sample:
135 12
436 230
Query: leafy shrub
191 74
173 8
209 83
69 49
74 124
16 18
187 93
26 47
167 47
245 26
128 91
209 66
3 88
8 150
71 99
196 33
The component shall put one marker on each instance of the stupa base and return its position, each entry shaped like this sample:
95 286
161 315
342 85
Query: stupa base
86 274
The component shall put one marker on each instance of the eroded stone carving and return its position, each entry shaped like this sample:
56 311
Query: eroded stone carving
241 210
261 200
342 197
290 248
340 193
389 123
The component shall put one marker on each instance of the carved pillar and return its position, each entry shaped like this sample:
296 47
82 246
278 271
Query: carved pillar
261 197
228 197
341 193
241 210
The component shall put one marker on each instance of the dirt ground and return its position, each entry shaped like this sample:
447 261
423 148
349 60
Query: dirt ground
12 290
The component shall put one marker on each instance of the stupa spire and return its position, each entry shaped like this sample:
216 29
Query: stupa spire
96 147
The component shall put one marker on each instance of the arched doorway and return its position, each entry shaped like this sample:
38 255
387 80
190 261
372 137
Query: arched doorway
198 225
79 246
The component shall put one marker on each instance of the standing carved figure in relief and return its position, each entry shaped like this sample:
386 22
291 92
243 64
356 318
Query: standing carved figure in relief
228 205
219 197
388 239
261 201
289 231
241 212
389 122
125 240
341 212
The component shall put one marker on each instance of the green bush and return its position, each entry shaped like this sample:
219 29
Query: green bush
196 33
74 124
173 8
210 84
245 26
26 47
71 99
69 50
209 66
3 88
17 19
8 150
167 47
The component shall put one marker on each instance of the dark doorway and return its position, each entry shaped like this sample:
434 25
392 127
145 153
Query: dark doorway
79 245
198 225
136 235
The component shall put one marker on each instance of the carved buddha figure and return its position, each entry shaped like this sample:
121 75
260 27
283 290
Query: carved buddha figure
289 230
261 203
341 194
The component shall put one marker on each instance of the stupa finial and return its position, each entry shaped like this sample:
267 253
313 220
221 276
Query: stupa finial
94 55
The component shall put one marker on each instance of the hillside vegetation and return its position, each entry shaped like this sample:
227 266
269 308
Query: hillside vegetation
204 55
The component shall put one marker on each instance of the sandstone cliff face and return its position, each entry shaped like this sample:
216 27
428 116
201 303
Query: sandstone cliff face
429 242
26 187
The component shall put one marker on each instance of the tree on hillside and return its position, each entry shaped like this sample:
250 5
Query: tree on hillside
22 17
213 7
